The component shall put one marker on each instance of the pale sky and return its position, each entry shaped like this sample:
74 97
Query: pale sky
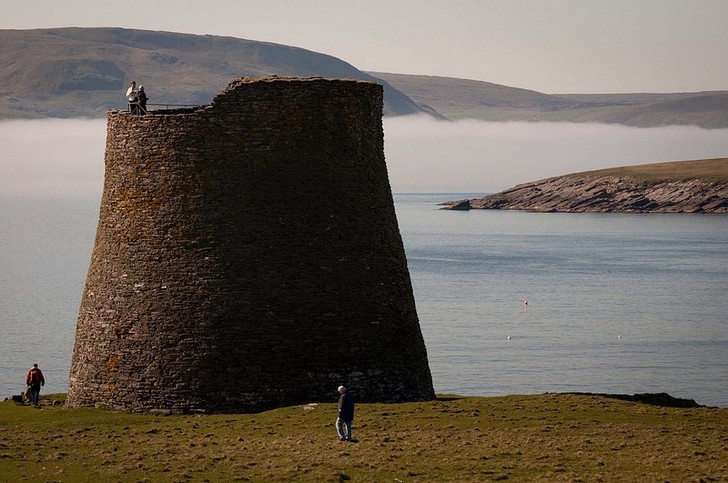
552 46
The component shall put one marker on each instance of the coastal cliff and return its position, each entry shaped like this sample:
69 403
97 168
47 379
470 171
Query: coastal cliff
680 187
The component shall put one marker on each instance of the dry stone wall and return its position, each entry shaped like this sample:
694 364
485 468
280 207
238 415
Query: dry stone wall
248 256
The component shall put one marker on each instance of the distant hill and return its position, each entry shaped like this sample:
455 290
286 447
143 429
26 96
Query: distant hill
74 72
699 186
469 99
81 72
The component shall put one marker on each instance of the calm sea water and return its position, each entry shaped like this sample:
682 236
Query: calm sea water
616 303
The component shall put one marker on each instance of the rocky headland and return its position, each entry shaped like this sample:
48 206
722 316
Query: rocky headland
699 186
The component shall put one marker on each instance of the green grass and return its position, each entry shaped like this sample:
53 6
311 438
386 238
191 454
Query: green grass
712 170
551 437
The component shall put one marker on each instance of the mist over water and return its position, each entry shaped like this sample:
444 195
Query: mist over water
657 279
426 155
52 156
66 157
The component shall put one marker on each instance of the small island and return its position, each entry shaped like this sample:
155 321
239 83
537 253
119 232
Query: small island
698 186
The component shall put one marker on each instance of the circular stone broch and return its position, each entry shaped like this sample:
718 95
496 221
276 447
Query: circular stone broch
248 256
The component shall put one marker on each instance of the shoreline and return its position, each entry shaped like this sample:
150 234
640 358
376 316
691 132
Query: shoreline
662 399
699 186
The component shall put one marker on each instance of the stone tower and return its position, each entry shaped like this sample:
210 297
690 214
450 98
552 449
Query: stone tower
248 256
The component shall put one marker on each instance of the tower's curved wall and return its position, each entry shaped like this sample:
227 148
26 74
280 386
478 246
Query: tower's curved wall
248 256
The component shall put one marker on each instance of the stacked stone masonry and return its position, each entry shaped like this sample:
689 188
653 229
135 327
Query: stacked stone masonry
248 256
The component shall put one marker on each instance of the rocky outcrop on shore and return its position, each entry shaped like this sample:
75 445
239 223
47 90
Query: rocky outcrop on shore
574 193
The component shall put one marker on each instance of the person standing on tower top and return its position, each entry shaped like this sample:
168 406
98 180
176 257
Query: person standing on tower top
346 414
34 380
132 96
142 101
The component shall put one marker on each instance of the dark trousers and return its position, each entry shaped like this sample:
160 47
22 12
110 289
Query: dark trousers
34 393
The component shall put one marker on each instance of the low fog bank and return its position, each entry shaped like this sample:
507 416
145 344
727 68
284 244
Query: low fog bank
53 157
427 155
66 157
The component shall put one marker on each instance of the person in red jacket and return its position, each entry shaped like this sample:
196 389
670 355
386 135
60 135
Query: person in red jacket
34 380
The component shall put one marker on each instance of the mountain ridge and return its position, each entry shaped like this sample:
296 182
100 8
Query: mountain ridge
472 99
76 72
83 71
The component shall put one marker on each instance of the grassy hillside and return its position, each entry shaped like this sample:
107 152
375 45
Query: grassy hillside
462 98
70 72
468 99
77 72
713 170
520 438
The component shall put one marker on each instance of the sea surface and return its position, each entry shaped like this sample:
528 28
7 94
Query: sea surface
509 302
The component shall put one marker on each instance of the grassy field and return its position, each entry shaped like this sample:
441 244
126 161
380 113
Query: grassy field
706 169
551 437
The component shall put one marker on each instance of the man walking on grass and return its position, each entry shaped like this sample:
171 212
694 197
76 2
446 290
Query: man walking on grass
34 380
346 414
